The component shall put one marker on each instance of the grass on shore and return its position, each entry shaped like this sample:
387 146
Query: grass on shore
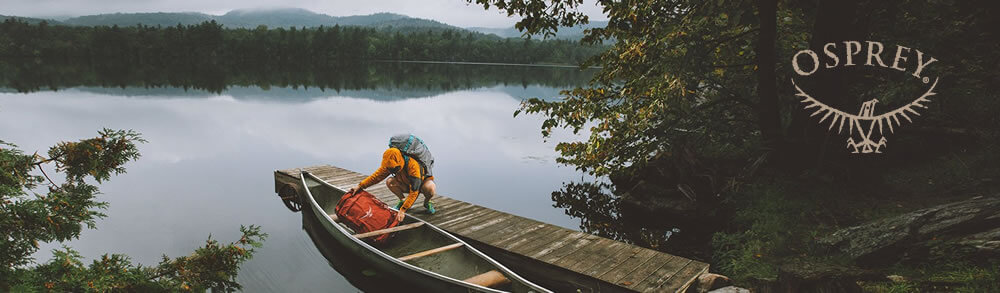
777 219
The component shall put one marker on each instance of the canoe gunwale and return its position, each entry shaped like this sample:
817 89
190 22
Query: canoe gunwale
323 216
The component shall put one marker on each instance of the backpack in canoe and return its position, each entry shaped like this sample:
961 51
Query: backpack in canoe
362 212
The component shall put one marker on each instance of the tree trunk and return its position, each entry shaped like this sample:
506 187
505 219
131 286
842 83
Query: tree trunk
836 22
768 118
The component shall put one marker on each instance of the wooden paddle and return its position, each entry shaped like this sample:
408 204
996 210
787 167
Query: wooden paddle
431 251
488 279
388 230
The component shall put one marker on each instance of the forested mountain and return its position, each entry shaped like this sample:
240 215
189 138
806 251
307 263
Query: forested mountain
151 19
30 20
252 18
284 17
289 17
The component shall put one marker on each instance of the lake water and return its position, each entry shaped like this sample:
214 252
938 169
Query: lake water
207 168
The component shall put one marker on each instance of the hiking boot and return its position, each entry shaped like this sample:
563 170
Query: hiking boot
430 207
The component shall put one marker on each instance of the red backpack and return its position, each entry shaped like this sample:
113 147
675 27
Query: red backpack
363 212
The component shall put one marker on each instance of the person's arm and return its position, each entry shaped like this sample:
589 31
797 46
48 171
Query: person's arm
413 175
389 162
374 178
410 198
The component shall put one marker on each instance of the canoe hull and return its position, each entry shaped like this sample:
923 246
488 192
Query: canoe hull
374 270
351 256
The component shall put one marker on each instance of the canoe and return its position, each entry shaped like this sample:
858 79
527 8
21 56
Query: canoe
420 254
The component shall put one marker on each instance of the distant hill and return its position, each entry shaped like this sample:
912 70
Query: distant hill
412 22
373 19
29 19
252 18
282 17
130 19
297 17
566 33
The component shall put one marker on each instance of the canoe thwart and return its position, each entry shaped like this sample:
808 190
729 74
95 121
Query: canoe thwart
431 251
488 279
388 230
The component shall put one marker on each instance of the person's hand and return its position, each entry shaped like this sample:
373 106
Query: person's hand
353 189
399 216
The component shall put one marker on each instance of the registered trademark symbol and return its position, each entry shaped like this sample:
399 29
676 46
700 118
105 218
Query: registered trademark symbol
927 79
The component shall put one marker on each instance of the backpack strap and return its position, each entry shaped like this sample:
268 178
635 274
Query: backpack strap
406 160
409 141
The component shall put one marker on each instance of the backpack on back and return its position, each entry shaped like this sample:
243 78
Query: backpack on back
362 212
412 146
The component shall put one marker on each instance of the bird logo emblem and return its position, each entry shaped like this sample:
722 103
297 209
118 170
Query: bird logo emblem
865 122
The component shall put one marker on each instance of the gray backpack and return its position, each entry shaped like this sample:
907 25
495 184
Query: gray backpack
412 146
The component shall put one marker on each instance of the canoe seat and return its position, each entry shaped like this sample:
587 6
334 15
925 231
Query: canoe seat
431 251
488 279
388 230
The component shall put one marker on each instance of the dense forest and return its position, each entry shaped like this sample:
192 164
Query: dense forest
280 48
699 120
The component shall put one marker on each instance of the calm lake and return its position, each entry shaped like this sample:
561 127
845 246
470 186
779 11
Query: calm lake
207 168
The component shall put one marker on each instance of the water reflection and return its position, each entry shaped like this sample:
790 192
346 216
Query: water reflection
208 166
604 211
350 266
406 79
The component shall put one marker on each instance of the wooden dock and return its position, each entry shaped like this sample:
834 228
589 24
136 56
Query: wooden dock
558 258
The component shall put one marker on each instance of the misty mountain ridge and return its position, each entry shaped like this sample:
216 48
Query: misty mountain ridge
290 17
246 18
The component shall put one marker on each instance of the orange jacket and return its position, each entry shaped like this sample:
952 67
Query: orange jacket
392 163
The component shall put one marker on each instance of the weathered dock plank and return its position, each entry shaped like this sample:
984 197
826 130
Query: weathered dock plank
560 258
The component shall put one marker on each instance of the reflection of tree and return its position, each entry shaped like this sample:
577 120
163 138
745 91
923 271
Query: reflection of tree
28 75
603 211
208 57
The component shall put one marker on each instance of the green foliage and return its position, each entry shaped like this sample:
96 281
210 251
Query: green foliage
99 157
889 287
739 256
212 266
59 215
675 77
941 277
696 79
540 16
683 75
771 225
972 278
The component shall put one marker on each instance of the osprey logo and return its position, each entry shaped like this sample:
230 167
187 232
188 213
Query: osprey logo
368 213
865 121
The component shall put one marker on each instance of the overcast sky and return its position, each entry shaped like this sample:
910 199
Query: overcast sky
454 12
